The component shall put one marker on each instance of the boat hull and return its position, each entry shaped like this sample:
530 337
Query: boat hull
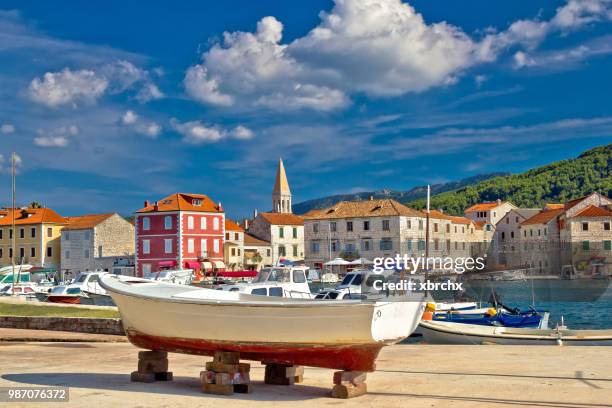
462 334
64 299
346 335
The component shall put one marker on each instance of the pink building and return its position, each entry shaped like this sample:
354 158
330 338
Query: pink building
181 230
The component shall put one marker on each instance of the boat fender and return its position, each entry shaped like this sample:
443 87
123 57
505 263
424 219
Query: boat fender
429 311
491 312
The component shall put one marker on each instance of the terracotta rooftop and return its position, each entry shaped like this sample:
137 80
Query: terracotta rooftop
484 206
282 218
232 226
543 217
25 216
250 240
86 221
554 206
367 208
183 202
593 211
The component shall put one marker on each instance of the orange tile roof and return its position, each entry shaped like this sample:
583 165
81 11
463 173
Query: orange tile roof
86 221
483 206
232 226
183 202
282 218
250 240
479 224
593 211
26 216
366 208
543 217
554 206
460 220
454 219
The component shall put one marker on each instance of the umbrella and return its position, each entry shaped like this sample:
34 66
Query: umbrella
337 261
361 261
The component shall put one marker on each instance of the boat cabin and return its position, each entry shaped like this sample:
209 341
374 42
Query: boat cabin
277 281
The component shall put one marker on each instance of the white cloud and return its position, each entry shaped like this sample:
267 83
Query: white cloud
378 47
131 120
197 132
7 129
58 137
68 87
149 92
6 165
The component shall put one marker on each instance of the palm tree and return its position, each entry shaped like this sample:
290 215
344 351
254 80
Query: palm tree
35 204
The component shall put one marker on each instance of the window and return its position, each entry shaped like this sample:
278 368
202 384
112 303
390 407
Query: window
276 292
1 230
516 219
146 269
146 246
203 247
334 246
203 223
168 246
606 226
67 236
67 254
146 224
237 237
366 225
489 227
503 235
11 233
21 233
100 251
167 222
585 245
233 251
448 245
421 245
507 220
435 227
86 254
49 251
512 234
1 253
607 245
216 245
268 252
227 236
190 222
10 253
294 232
33 232
332 226
436 244
299 276
191 246
315 247
87 235
259 291
455 229
32 252
386 244
409 245
447 228
385 225
281 232
420 224
216 223
585 226
315 227
539 232
295 250
281 250
409 224
366 245
49 232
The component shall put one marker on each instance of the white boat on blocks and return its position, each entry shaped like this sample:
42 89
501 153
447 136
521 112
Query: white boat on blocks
345 335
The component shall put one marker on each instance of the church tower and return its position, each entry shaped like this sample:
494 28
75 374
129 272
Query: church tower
281 196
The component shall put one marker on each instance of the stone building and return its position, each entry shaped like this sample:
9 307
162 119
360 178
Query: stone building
280 227
257 253
505 248
234 246
489 214
96 242
37 236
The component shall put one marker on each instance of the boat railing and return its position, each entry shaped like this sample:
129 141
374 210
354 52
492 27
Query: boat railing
297 294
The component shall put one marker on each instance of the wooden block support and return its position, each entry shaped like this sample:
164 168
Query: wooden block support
283 374
349 384
226 375
152 366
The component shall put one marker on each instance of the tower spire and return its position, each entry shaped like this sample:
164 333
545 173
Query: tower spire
281 195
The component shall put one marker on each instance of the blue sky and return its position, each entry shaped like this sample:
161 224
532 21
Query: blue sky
110 105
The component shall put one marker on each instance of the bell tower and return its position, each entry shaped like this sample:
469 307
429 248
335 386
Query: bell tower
281 195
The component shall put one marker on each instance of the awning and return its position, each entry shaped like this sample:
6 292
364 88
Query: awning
207 266
219 264
166 264
238 274
192 265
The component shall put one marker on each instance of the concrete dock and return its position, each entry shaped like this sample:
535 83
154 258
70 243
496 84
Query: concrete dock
98 374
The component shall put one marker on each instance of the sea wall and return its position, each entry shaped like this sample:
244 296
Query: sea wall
71 324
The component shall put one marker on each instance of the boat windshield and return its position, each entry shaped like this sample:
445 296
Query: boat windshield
81 278
73 291
58 289
155 275
272 275
347 279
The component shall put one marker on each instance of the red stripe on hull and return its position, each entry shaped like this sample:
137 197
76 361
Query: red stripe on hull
341 357
64 299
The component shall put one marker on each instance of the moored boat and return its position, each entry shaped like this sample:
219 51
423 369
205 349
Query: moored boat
346 335
435 332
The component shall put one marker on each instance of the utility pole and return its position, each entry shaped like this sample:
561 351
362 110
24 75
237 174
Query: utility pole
13 249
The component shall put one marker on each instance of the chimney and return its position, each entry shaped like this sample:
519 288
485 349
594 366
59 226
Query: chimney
146 203
219 206
255 213
498 201
156 206
371 198
246 224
